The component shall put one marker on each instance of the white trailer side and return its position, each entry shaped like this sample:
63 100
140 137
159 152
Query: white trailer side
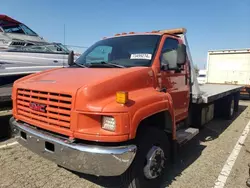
229 67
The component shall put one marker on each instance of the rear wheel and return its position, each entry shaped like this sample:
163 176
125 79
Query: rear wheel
230 107
152 158
236 101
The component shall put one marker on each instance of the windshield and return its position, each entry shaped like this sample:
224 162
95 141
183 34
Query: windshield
18 28
44 48
128 51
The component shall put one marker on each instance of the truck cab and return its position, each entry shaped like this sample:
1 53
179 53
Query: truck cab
118 110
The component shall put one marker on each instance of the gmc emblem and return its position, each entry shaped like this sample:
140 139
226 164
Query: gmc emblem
38 107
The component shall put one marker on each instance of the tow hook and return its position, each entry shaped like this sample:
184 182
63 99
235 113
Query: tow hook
70 141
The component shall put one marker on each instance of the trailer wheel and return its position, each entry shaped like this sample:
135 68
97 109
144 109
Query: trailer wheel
230 107
153 156
236 101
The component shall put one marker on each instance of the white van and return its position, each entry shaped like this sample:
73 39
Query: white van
202 77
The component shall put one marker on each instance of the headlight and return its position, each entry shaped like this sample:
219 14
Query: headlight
108 123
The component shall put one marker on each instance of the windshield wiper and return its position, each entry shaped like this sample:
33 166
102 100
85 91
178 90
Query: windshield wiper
80 65
113 64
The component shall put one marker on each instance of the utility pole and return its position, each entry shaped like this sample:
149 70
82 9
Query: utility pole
64 34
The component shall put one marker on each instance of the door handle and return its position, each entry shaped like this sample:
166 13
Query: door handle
186 79
55 61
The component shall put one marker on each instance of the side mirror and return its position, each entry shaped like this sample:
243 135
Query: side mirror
71 58
181 54
168 60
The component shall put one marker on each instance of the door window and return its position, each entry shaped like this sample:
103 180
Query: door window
169 53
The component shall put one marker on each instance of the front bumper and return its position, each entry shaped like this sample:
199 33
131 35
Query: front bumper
88 159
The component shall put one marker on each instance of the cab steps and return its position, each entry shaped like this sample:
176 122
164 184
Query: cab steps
184 135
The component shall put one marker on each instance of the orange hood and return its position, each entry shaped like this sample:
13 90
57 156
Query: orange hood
90 87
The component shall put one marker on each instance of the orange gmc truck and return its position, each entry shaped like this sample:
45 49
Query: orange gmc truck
121 109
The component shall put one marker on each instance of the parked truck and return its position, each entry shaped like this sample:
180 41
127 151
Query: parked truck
121 109
230 67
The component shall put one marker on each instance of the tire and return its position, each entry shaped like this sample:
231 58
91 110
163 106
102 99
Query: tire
230 107
147 140
5 127
248 182
236 101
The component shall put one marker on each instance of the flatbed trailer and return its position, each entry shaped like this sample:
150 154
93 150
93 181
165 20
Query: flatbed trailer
212 92
215 100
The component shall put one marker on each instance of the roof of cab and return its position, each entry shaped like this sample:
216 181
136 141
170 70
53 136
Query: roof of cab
175 31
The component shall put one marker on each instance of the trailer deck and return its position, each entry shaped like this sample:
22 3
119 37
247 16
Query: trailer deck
5 93
211 92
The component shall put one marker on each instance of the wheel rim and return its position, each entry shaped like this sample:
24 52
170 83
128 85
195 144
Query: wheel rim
155 163
232 108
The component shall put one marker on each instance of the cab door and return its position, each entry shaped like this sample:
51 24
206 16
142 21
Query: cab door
174 77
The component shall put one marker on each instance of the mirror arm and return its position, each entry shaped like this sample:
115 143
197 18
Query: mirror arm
71 58
164 67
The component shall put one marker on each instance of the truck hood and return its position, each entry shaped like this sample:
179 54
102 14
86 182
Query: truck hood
89 86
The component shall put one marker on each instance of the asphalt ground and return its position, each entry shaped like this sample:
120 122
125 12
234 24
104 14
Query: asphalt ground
199 164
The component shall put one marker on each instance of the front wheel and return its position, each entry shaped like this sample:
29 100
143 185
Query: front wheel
151 161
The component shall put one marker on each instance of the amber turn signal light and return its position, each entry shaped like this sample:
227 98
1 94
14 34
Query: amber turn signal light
122 97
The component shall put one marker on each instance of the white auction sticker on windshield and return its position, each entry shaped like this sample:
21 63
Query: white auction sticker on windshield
141 56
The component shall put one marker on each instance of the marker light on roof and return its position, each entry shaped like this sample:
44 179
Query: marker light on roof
174 31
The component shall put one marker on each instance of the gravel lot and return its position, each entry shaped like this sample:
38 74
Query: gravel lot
199 162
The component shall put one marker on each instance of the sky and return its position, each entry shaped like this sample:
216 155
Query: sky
211 24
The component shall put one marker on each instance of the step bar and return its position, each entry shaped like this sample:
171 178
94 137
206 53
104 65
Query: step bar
184 135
